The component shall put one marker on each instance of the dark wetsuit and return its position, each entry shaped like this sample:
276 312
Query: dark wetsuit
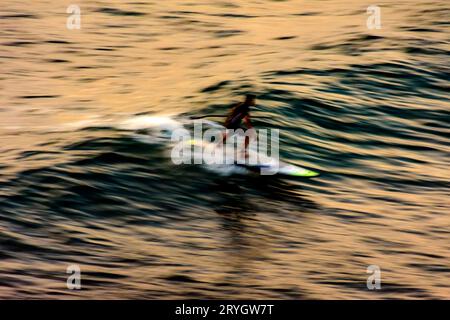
239 112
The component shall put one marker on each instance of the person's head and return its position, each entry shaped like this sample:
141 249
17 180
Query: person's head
250 99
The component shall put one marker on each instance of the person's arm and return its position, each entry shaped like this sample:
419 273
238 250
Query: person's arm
248 122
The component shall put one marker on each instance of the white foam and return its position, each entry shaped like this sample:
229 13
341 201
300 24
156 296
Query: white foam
147 122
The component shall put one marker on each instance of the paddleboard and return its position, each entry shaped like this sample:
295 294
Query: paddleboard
264 164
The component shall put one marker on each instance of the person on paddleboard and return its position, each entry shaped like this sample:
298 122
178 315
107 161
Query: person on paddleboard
240 112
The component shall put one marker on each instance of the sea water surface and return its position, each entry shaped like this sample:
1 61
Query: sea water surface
368 109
